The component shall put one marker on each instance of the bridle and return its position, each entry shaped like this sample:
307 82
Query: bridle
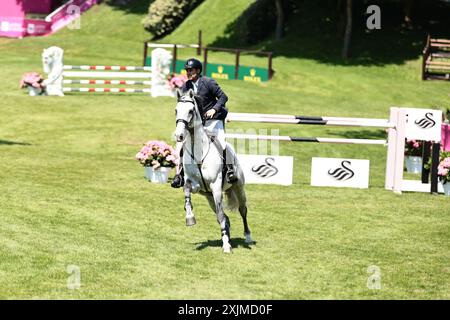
195 111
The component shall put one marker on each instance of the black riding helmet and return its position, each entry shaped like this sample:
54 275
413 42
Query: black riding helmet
194 64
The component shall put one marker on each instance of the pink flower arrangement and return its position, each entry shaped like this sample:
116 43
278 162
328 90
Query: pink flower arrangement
177 81
157 154
413 148
33 79
444 167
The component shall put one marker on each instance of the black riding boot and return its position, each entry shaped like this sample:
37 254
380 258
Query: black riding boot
230 173
178 180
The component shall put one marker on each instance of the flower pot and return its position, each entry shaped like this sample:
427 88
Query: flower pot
159 175
413 164
446 187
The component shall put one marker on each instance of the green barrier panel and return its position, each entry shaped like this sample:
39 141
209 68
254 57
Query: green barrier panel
220 71
253 74
225 71
179 67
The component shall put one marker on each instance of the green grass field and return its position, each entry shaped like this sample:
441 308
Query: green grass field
71 192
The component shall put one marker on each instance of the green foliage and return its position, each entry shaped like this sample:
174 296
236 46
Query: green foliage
165 15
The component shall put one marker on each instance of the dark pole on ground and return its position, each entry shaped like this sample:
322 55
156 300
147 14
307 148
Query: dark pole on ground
236 67
426 152
145 53
205 60
174 61
270 55
199 49
434 167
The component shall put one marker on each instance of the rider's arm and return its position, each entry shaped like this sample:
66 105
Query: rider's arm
219 94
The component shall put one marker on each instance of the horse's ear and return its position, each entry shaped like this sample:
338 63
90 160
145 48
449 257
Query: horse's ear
191 93
178 94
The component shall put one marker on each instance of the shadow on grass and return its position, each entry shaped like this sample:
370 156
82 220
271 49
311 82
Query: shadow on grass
311 32
235 243
10 143
130 6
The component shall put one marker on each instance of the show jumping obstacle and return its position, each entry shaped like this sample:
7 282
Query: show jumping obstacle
152 79
126 72
399 126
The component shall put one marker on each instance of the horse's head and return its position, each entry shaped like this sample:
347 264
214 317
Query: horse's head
51 58
185 113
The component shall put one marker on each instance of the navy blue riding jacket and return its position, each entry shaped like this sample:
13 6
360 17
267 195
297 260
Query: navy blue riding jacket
212 97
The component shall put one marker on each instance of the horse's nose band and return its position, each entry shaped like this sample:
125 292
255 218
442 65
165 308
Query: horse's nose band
184 121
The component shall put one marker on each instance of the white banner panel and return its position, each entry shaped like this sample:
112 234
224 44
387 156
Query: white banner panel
336 172
263 169
423 124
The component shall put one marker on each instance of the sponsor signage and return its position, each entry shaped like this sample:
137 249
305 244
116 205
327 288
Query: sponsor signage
423 124
224 71
253 74
337 172
220 71
267 169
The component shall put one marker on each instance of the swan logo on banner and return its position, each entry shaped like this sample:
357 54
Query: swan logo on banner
342 173
266 170
427 122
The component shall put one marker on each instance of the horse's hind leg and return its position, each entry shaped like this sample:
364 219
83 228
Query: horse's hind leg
190 218
222 218
240 193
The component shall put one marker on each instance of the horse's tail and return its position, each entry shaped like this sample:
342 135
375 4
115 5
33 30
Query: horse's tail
232 201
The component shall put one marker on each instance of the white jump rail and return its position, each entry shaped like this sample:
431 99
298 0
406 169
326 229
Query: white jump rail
121 73
398 131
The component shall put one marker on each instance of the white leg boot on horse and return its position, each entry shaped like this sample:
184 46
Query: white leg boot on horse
188 207
222 218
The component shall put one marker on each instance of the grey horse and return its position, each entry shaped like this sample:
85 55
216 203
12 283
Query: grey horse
203 170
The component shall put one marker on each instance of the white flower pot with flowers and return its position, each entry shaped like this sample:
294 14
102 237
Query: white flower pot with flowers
413 156
158 158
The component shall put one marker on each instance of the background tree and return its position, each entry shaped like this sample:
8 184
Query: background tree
348 29
279 30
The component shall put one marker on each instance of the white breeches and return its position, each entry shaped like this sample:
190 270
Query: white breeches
215 128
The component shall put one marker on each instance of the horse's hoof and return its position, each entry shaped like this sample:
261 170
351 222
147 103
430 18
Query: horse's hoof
190 221
227 249
248 239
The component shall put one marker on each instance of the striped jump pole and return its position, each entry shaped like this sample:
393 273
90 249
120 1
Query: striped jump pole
112 68
128 82
304 139
309 120
113 90
115 75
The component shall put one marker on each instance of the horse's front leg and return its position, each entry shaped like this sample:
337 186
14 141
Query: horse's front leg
188 207
222 218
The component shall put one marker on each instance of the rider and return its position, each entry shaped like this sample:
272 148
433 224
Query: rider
213 112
